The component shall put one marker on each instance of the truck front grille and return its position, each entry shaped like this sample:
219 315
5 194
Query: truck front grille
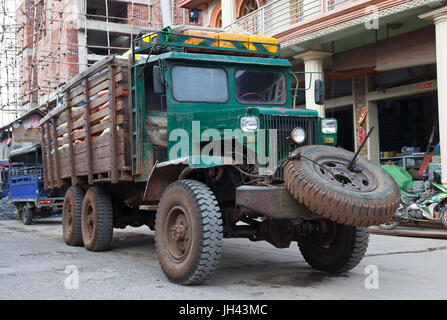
284 126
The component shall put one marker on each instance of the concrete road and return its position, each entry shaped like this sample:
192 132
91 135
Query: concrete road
35 263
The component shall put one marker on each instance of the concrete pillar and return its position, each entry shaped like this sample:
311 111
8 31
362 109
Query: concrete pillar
439 17
228 12
166 17
313 66
372 119
359 93
80 9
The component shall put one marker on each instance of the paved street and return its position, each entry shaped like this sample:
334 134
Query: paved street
33 261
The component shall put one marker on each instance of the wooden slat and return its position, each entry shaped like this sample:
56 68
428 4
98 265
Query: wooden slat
96 143
56 153
78 79
44 159
98 158
97 128
50 156
112 117
102 86
93 83
99 165
70 148
82 77
60 132
94 104
88 133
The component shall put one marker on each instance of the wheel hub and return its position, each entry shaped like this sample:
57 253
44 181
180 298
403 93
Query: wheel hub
68 221
90 221
336 172
179 234
325 237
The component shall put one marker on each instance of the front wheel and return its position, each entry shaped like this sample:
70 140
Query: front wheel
334 248
188 232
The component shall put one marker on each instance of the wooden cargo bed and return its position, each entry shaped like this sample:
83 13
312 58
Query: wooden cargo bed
86 138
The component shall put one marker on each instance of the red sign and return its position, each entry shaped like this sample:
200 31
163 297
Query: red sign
425 85
362 115
361 135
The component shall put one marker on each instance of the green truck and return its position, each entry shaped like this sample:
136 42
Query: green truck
200 140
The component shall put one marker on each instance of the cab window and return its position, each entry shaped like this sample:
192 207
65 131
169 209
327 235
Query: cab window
199 84
259 86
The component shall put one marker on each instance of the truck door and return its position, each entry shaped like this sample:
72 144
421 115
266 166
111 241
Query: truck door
156 112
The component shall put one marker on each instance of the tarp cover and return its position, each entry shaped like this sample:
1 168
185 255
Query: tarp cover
403 179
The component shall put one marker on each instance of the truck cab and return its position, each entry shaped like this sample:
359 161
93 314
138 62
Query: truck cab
216 94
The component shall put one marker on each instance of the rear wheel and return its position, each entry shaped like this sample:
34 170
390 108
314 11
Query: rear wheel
443 216
72 216
97 220
27 215
335 248
188 232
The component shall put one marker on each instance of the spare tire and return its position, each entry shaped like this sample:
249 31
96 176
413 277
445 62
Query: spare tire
321 181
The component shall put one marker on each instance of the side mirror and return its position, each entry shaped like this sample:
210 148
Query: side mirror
319 91
157 79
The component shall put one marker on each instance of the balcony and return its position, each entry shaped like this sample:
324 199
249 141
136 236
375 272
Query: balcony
281 15
192 4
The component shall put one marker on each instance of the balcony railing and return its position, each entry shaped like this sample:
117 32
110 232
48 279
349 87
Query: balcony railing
279 15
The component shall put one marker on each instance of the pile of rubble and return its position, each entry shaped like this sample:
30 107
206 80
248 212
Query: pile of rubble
7 210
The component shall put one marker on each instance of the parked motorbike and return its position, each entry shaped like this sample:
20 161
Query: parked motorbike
418 207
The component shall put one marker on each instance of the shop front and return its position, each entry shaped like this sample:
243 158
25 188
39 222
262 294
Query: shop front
404 112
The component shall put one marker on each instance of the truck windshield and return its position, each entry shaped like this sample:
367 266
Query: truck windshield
264 87
199 84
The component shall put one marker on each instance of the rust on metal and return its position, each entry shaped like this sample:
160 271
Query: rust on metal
275 202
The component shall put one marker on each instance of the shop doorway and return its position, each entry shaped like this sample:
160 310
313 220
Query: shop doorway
345 120
405 126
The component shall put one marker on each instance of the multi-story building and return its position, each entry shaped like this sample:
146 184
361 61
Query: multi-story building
383 63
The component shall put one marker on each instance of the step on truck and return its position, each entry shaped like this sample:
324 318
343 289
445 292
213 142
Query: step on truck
197 136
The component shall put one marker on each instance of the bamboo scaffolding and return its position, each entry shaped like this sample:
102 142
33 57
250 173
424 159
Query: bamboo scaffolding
36 57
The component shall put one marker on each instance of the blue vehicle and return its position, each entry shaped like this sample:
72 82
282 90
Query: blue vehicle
26 185
4 178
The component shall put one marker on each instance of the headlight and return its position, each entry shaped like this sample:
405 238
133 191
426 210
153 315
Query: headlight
329 126
249 124
298 135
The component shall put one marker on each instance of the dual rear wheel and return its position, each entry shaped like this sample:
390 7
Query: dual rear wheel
188 233
87 218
